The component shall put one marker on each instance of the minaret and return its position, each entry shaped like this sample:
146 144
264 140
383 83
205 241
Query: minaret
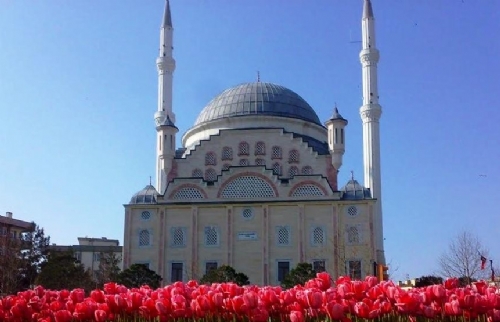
336 137
370 114
165 117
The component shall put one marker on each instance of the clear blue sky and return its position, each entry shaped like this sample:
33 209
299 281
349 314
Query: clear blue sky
78 88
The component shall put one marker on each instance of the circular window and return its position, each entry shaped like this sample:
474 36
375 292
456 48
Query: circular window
247 213
352 211
145 215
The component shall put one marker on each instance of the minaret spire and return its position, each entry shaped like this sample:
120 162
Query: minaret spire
167 16
164 116
370 114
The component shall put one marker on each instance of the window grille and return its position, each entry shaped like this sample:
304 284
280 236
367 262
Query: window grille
211 236
318 236
277 169
319 266
353 235
210 158
307 170
145 215
144 238
244 162
226 166
227 153
197 173
210 266
247 213
178 237
210 175
283 235
293 156
277 153
260 148
243 148
354 267
176 272
188 193
260 162
248 187
307 190
352 211
293 171
283 270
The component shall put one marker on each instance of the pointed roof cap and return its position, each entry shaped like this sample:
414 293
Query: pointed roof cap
167 17
336 116
367 9
353 190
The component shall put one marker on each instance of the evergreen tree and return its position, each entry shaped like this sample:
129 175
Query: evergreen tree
428 280
137 275
63 271
225 274
33 257
299 275
21 258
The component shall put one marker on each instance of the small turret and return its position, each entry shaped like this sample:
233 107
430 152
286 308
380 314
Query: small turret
336 137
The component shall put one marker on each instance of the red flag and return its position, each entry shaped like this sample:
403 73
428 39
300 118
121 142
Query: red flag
483 261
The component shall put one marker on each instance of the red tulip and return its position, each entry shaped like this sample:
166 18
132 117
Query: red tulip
251 300
100 315
451 283
63 316
335 311
297 316
362 310
98 296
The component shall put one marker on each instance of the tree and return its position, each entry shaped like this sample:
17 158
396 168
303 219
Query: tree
463 258
108 268
21 258
137 275
33 257
299 275
225 274
428 280
63 271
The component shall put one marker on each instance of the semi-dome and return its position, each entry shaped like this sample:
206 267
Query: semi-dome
146 195
353 190
258 99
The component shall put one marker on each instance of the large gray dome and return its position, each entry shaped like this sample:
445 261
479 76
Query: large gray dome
258 98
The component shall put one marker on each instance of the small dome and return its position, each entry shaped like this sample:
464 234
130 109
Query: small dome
258 98
145 196
353 190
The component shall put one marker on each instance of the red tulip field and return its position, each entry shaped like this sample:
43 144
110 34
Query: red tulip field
317 300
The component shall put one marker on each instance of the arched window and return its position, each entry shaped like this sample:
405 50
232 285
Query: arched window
244 162
210 175
307 170
277 169
197 173
144 238
211 236
277 153
178 237
283 235
260 148
293 171
210 158
260 162
293 156
243 148
247 187
227 153
318 236
352 235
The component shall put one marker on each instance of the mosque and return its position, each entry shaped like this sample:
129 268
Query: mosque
254 184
